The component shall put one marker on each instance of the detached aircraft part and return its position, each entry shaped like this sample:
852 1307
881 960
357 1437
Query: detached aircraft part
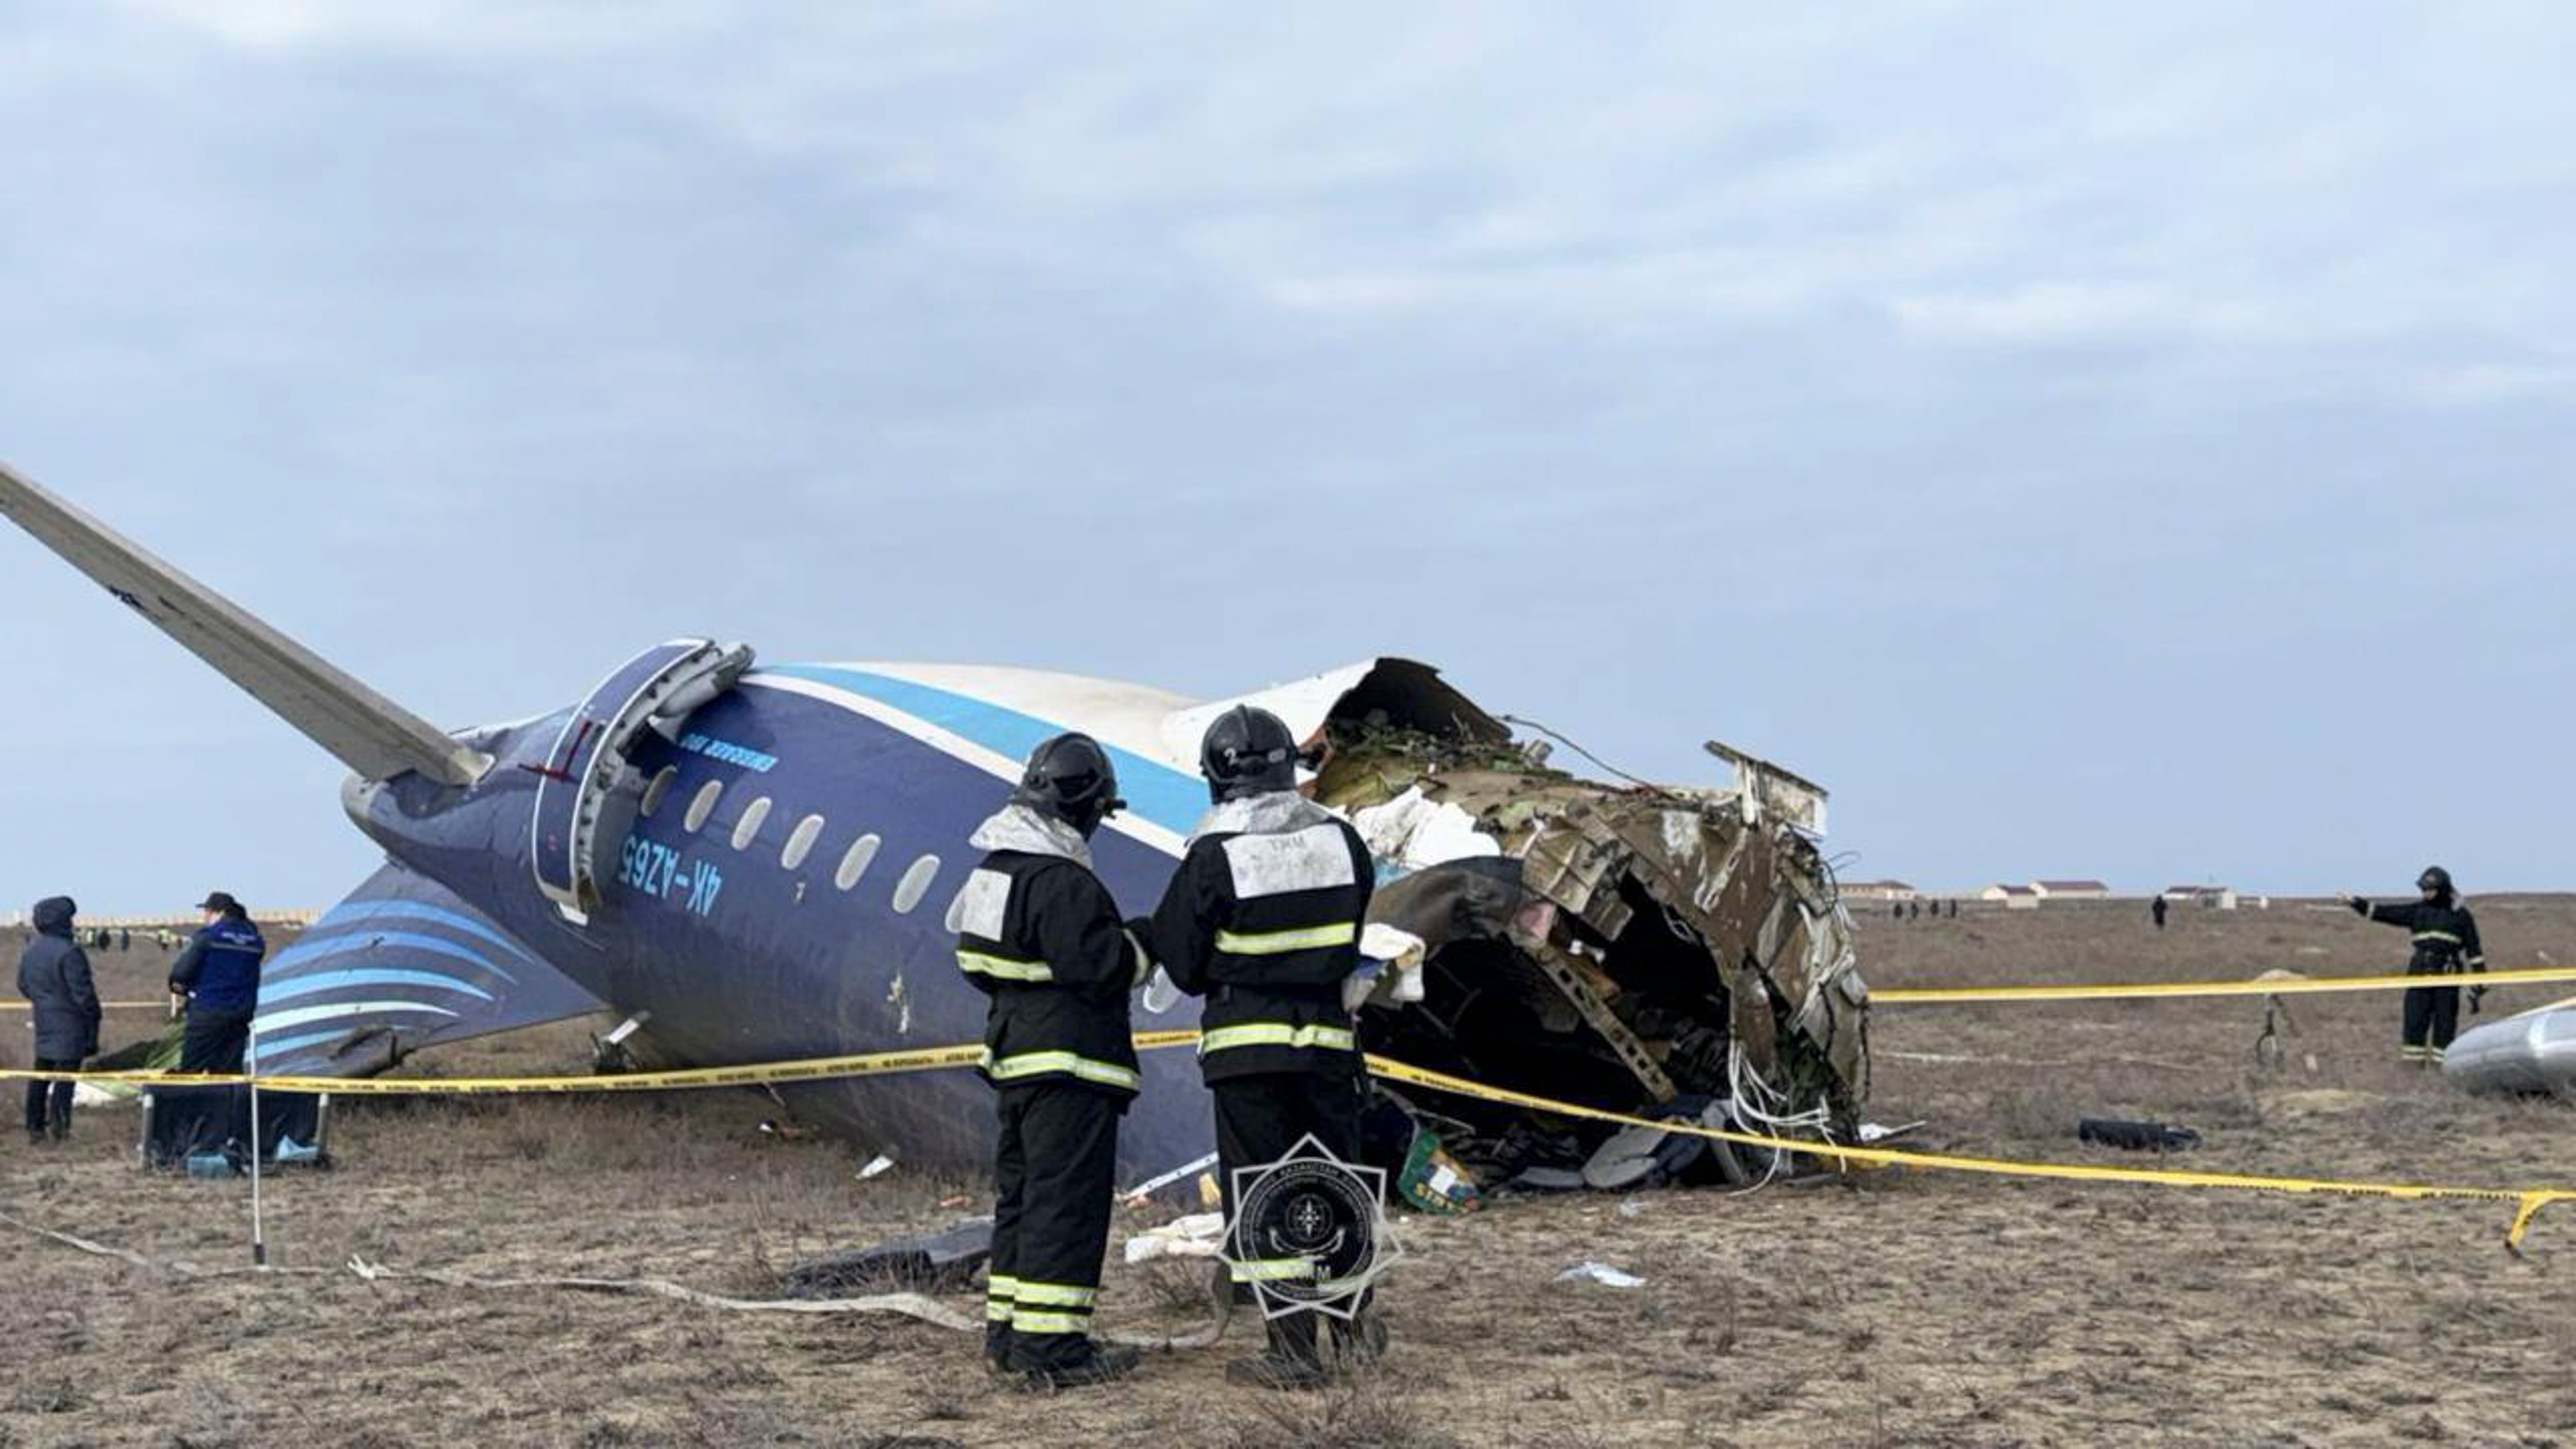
654 690
2527 1054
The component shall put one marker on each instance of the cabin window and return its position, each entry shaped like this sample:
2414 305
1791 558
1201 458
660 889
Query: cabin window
703 805
855 863
801 843
915 884
658 791
747 828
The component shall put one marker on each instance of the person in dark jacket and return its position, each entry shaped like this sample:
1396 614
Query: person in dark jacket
53 974
1263 920
218 973
1039 934
2446 943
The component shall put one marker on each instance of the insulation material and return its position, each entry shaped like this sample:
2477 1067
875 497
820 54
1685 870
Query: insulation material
1411 831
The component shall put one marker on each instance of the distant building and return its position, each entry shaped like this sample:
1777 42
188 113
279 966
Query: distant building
2071 890
2013 897
1879 890
2207 897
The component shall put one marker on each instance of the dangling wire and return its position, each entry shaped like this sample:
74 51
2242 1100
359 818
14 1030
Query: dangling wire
1531 724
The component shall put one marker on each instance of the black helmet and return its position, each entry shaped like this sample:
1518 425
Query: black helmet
2436 880
1070 779
1248 751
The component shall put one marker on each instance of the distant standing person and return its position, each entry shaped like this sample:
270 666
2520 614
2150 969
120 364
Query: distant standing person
2157 910
53 975
218 972
2446 942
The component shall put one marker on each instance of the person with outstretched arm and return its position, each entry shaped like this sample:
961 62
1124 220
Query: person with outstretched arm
2445 936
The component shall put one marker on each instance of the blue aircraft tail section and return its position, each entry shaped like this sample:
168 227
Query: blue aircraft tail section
401 964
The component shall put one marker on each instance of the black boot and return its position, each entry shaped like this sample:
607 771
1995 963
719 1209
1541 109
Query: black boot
1361 1339
1089 1365
997 1347
1290 1362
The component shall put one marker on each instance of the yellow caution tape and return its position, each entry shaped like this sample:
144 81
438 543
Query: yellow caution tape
2284 986
2527 1201
753 1074
1928 995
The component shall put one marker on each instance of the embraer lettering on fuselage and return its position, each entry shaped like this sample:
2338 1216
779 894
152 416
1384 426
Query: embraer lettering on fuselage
729 752
657 870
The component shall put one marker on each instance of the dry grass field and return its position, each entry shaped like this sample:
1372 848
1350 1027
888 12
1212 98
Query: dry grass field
1898 1308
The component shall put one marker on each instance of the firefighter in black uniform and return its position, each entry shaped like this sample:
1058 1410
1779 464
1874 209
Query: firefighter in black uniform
2446 942
1263 920
1038 932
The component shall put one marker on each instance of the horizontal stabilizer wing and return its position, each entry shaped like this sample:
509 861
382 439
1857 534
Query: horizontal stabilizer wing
366 731
401 964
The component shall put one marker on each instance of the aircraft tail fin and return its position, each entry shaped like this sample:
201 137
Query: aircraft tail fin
403 963
366 731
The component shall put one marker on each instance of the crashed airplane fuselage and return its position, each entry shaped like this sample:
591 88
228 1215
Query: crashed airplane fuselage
757 864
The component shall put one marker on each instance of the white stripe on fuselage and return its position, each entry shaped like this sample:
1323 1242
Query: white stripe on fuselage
1144 832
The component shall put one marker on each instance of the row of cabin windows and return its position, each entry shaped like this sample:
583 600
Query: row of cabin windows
908 891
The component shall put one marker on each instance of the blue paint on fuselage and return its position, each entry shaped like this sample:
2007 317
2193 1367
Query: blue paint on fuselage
1155 791
310 950
326 981
351 914
786 964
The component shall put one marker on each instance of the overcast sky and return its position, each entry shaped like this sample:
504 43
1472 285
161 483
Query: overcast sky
2120 441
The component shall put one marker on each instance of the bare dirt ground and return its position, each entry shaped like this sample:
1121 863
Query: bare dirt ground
1902 1308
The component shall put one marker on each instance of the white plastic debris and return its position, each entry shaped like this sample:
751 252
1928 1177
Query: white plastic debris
1199 1235
1400 983
879 1163
1601 1273
1871 1132
1412 832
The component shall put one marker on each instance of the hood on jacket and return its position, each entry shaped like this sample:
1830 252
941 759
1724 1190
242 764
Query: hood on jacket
1274 812
54 914
1018 827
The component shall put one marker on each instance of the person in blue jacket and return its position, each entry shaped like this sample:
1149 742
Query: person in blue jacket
53 975
218 972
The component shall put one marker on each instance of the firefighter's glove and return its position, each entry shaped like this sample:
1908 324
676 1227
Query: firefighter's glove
2477 994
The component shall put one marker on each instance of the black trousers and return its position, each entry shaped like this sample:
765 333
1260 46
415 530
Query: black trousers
49 1104
1260 1119
1055 1169
2432 1019
215 1041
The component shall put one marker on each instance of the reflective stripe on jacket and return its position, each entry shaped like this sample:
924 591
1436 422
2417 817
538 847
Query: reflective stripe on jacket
1263 920
2445 937
1039 934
